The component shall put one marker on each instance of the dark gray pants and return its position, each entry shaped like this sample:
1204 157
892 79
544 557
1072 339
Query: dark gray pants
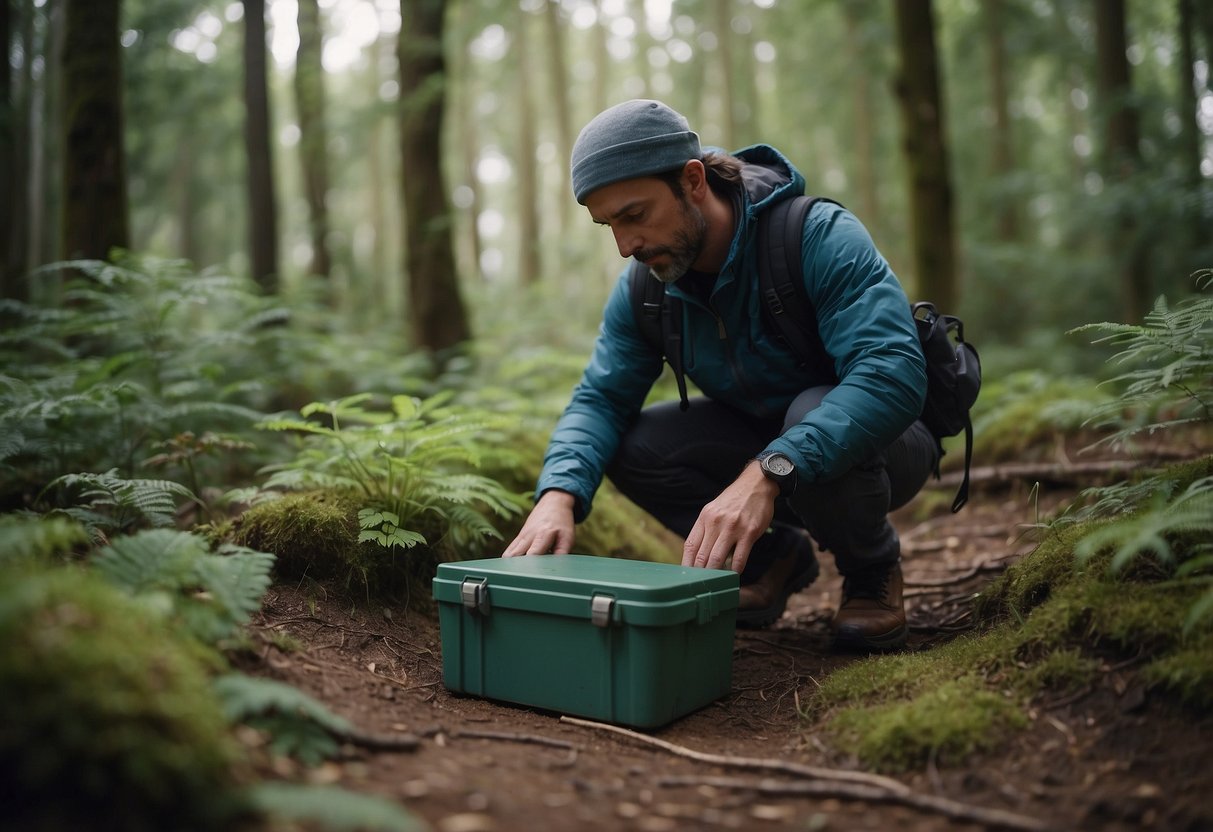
673 463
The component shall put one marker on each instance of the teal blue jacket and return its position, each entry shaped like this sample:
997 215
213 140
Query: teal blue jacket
865 325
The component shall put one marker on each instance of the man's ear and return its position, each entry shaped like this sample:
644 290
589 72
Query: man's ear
695 180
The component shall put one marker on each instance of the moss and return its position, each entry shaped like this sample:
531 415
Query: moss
109 721
946 723
1027 584
311 533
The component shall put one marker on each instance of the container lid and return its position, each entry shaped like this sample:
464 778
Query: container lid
644 593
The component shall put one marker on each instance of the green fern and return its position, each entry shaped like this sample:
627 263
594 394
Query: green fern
213 594
332 807
298 725
110 503
1169 382
412 468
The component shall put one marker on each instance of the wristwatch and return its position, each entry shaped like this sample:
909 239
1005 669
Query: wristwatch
780 469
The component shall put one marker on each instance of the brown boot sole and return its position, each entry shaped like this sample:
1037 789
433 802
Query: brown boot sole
850 639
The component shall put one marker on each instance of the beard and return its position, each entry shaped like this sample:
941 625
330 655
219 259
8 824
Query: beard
687 246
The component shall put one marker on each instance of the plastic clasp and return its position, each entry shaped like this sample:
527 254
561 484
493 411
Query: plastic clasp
601 607
474 593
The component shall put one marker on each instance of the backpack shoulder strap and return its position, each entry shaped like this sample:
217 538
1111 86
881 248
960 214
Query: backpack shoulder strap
659 318
787 307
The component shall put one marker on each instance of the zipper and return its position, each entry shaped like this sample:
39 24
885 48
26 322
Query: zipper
723 335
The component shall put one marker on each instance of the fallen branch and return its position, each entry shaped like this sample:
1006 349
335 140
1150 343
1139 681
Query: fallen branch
855 785
1049 471
990 818
377 742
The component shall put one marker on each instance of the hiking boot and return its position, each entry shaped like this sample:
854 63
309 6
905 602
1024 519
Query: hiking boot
871 615
768 582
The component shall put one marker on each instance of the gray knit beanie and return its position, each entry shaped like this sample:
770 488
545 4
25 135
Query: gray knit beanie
635 138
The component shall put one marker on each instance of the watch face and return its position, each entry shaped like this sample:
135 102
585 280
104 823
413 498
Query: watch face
779 465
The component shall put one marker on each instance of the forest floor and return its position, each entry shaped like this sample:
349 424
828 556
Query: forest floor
1115 756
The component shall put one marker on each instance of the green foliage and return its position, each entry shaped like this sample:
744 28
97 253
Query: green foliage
211 594
1024 412
110 722
1168 380
297 724
1157 529
32 538
111 504
333 808
415 464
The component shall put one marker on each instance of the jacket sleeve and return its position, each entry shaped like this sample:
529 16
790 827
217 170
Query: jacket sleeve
612 389
866 326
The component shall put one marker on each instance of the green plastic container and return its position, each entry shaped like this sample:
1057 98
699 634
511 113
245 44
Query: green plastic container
621 641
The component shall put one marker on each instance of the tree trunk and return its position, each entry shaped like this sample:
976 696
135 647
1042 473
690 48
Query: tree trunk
528 175
313 132
1002 145
437 317
926 156
602 61
45 149
865 120
1189 126
561 84
1121 155
262 207
94 170
728 93
12 269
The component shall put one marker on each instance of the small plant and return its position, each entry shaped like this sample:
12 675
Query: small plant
109 503
413 469
1169 384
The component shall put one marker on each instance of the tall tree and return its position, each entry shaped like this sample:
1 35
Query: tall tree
11 278
94 171
527 174
1121 156
864 130
728 91
436 312
561 84
932 236
1002 146
1189 126
313 130
262 206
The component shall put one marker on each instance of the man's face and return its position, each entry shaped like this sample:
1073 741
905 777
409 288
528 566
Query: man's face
650 223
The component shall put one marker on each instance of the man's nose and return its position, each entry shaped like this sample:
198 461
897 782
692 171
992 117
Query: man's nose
627 243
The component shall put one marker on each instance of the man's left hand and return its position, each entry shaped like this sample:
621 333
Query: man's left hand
730 524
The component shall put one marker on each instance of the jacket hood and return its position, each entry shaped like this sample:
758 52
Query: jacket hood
768 177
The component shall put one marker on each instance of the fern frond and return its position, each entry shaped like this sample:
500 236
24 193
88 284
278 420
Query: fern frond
153 559
299 726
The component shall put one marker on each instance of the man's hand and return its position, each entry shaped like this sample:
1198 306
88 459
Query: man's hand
549 528
732 522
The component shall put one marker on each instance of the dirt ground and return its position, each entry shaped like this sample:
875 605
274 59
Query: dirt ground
1114 757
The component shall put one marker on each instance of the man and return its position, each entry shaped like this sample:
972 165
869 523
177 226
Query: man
771 450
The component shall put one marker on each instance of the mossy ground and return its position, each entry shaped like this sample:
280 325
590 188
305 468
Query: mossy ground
109 721
1046 626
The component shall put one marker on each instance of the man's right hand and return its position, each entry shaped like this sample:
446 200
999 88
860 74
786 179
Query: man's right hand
548 529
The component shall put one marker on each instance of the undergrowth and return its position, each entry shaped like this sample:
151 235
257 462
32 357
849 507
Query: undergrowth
1125 574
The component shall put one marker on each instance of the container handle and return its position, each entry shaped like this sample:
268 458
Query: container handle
601 609
475 594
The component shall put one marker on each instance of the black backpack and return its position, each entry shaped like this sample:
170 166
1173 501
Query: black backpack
953 366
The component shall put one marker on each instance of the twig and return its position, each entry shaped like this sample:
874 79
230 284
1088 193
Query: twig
533 739
378 742
992 818
1051 471
847 784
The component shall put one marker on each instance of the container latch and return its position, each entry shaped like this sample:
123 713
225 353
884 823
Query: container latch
475 594
601 607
